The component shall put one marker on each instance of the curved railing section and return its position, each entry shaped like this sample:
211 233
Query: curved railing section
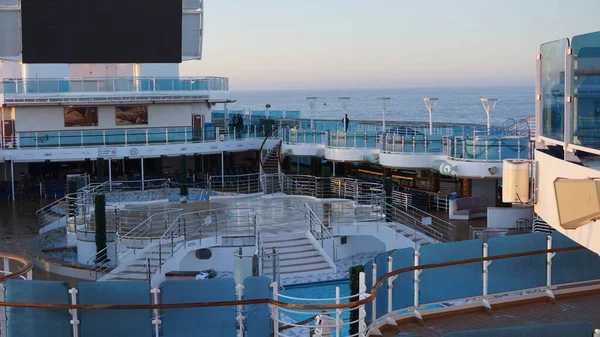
396 286
15 267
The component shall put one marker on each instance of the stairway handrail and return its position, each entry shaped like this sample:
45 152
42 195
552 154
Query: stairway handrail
311 214
168 234
415 224
101 267
450 229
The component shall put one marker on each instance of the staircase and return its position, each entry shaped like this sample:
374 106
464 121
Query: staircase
298 254
270 170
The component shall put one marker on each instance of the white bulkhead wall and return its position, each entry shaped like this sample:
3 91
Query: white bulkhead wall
51 118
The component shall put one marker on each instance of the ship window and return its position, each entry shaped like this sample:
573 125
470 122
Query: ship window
203 254
131 115
80 116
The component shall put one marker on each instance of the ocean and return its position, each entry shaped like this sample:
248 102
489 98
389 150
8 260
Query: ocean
459 105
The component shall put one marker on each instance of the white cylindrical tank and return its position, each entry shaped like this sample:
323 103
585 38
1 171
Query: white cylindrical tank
515 181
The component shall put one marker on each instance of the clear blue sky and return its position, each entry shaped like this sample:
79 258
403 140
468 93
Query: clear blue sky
312 44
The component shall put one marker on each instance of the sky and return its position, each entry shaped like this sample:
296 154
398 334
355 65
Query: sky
336 44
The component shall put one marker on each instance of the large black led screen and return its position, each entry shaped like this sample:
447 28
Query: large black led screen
101 31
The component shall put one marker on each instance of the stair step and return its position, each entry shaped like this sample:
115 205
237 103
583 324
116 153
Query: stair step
305 259
299 265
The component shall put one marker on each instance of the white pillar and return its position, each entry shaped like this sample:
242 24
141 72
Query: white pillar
384 103
311 103
142 171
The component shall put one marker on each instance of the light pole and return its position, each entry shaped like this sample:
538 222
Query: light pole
430 103
312 101
344 101
488 105
384 103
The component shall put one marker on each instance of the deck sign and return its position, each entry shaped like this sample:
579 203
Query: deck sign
107 152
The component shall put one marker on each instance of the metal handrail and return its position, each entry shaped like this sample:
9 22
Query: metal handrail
322 228
440 230
168 238
140 235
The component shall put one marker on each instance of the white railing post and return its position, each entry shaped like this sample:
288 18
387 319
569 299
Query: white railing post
549 257
156 321
74 320
390 293
374 330
6 266
104 138
275 309
239 291
338 314
3 332
125 137
362 313
416 281
597 333
486 264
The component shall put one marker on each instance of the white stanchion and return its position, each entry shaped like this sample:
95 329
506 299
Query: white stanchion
156 321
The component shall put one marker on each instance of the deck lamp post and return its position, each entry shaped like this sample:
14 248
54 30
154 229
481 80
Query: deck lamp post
488 105
384 104
430 103
312 101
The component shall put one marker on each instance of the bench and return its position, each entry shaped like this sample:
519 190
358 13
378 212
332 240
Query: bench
468 208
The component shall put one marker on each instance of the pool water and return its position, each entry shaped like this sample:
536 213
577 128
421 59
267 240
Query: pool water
317 291
326 291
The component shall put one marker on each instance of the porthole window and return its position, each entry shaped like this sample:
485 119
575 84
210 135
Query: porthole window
203 254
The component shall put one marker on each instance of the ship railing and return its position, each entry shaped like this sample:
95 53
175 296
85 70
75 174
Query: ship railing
226 227
127 137
238 184
428 220
491 149
24 86
376 302
129 243
435 201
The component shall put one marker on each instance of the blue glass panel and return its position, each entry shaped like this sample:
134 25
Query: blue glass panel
382 295
575 266
453 282
258 319
571 329
292 114
157 136
259 113
134 323
27 322
586 124
136 136
553 79
403 285
115 137
275 114
70 138
520 272
176 134
369 284
216 321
